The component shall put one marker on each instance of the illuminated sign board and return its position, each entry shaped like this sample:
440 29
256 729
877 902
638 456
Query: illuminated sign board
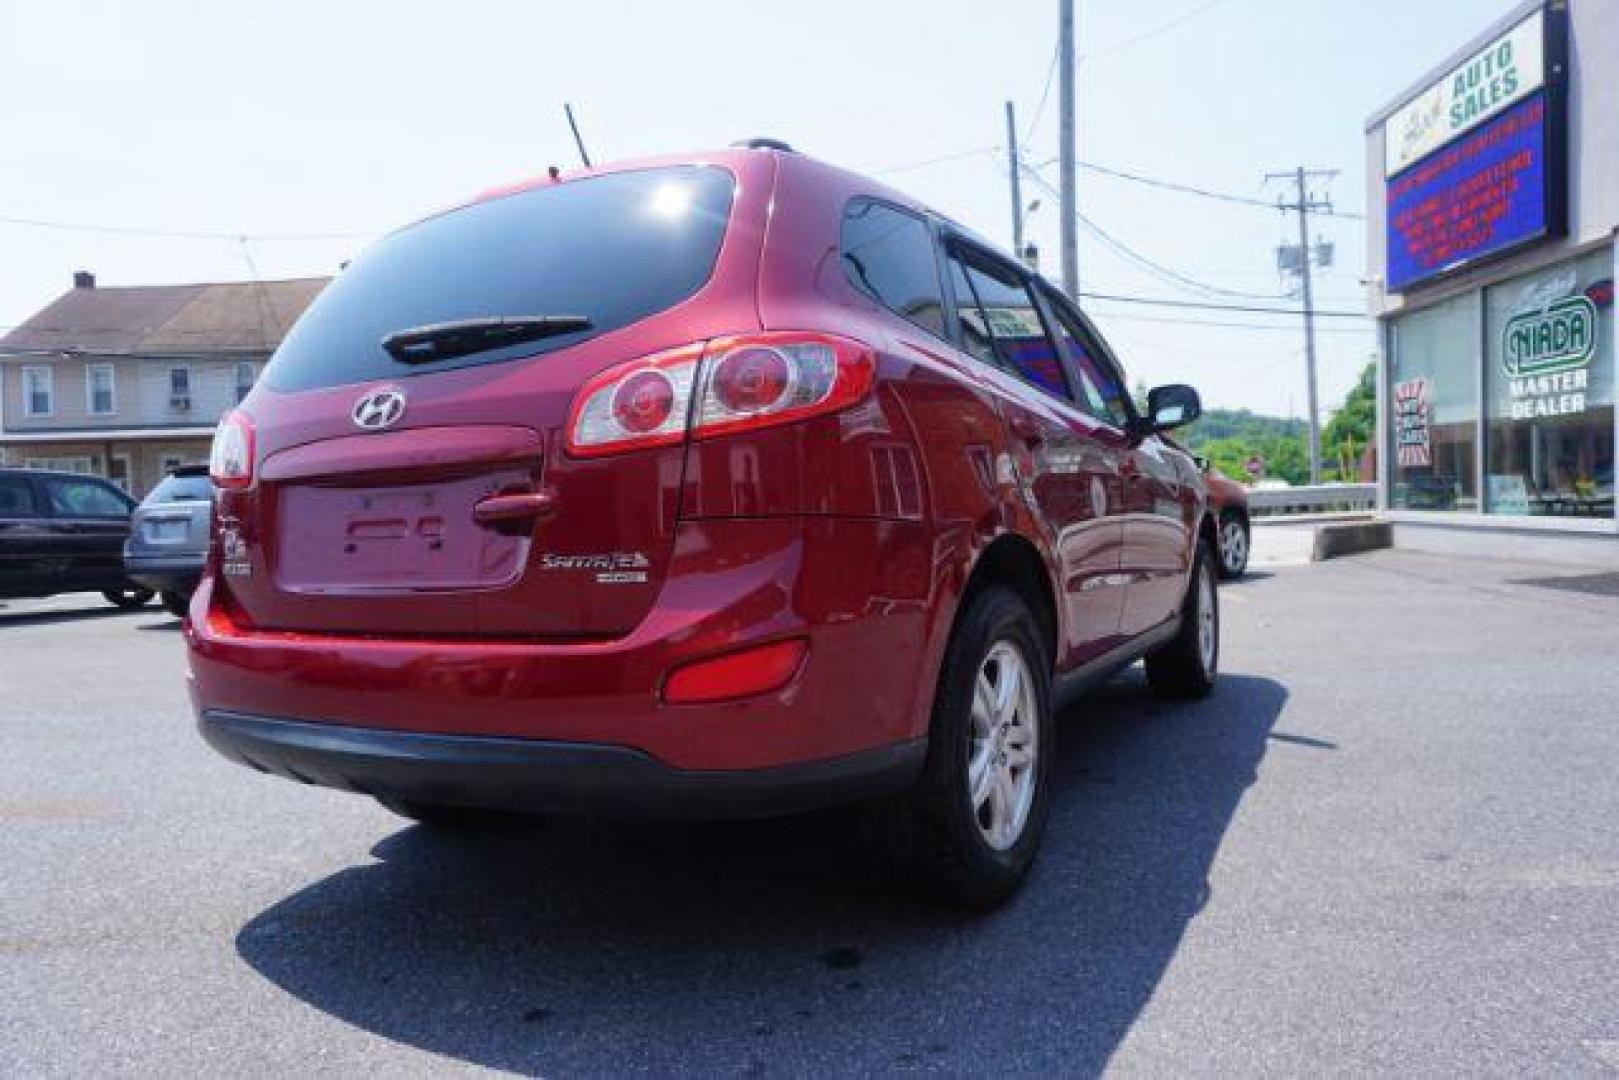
1475 162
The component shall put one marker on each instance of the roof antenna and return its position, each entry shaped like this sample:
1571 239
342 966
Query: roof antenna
577 140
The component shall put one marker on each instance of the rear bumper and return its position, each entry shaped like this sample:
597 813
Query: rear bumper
165 573
546 777
866 683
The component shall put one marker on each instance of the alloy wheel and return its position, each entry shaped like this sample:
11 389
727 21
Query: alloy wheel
1208 631
1003 755
1233 546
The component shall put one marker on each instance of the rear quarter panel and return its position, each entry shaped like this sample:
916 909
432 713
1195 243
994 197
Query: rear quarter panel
928 447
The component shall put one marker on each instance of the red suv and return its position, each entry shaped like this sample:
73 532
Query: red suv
727 484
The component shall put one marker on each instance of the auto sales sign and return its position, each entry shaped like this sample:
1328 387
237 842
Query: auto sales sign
1474 163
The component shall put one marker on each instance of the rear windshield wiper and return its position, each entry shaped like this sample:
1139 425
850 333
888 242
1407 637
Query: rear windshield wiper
447 340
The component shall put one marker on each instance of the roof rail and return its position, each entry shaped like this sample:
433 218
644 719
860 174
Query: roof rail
763 143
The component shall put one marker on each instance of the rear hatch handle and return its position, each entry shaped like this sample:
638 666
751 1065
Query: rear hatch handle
511 512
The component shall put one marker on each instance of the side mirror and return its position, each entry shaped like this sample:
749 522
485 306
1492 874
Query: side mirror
1171 406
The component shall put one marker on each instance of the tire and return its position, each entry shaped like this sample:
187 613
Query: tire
441 816
1235 545
1187 666
975 852
128 599
176 604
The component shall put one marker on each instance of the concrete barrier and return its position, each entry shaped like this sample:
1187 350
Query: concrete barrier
1321 498
1351 538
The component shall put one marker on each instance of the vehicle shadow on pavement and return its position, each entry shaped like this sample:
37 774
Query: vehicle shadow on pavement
779 947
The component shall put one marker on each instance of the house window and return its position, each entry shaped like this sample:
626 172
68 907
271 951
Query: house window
180 388
246 373
39 398
83 465
168 463
100 399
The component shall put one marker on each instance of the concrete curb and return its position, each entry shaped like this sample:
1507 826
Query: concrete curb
1351 538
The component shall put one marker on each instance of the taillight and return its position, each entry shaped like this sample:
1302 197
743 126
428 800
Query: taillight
635 405
739 383
230 462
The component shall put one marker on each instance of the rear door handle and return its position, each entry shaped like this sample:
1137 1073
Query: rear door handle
523 506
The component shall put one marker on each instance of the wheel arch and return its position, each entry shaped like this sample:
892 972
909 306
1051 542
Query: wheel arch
1208 529
1013 561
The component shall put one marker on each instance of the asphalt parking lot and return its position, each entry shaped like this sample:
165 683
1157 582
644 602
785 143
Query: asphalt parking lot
1388 844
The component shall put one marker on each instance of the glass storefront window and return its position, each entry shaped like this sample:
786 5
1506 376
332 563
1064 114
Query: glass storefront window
1434 408
1550 391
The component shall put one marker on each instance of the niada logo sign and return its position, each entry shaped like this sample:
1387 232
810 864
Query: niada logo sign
1547 348
1559 337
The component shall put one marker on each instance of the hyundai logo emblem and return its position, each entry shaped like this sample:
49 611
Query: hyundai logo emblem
378 409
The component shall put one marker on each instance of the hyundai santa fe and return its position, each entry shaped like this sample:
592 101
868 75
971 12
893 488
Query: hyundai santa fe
727 484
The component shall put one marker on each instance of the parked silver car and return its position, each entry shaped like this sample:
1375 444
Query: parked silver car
168 536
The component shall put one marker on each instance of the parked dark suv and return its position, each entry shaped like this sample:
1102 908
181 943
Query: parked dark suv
61 533
714 485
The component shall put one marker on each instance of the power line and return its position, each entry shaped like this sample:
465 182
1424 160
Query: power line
908 166
203 234
1163 272
1156 269
1193 189
1162 28
1114 316
1170 185
1154 301
1045 92
175 234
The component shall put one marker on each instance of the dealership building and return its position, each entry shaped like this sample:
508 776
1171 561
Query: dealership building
1493 205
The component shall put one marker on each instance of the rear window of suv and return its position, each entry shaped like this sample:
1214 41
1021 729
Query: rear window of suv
182 487
614 248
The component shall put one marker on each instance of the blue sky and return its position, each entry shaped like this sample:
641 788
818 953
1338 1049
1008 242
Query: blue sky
350 118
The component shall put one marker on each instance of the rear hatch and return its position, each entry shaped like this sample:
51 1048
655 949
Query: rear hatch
420 488
172 521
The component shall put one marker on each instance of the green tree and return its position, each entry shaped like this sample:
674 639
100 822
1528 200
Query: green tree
1229 455
1351 428
1230 437
1288 457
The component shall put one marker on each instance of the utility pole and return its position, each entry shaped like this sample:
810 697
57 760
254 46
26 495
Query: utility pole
1304 205
1066 151
1017 190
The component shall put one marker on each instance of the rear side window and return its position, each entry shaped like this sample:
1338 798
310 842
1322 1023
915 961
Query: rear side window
182 489
83 498
888 254
614 249
1000 324
17 497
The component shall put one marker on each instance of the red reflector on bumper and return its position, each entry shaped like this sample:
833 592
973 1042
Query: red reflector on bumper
735 675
